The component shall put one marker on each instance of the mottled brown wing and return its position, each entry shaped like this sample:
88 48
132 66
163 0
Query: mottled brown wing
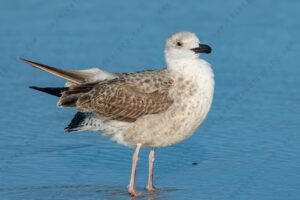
128 97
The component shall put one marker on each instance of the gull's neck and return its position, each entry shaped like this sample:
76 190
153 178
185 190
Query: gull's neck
189 66
197 71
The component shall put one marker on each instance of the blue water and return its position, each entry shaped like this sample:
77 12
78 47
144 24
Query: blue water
249 146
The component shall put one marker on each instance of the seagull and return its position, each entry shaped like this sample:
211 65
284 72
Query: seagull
151 108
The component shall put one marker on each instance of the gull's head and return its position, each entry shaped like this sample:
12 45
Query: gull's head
184 45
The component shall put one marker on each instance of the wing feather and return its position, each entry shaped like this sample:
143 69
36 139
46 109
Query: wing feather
128 97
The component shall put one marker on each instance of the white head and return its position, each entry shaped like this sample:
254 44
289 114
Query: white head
184 45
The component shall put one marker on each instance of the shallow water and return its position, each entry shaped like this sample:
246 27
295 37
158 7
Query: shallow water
248 148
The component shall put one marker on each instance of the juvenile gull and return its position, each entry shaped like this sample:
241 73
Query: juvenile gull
142 109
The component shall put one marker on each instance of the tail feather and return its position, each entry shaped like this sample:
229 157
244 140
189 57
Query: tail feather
77 122
80 82
72 76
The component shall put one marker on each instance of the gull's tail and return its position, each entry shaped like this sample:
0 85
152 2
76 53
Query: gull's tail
84 121
78 82
71 76
74 77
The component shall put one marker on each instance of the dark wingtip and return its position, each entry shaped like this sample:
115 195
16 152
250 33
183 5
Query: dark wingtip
34 87
53 91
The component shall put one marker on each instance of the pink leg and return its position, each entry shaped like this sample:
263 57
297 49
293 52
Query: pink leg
131 188
150 187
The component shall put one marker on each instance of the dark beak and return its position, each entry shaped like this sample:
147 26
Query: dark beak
203 48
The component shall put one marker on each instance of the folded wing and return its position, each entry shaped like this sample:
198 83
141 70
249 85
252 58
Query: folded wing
125 98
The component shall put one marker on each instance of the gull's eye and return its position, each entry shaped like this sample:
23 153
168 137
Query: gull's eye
179 44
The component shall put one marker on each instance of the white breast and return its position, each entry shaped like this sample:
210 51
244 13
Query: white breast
193 96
